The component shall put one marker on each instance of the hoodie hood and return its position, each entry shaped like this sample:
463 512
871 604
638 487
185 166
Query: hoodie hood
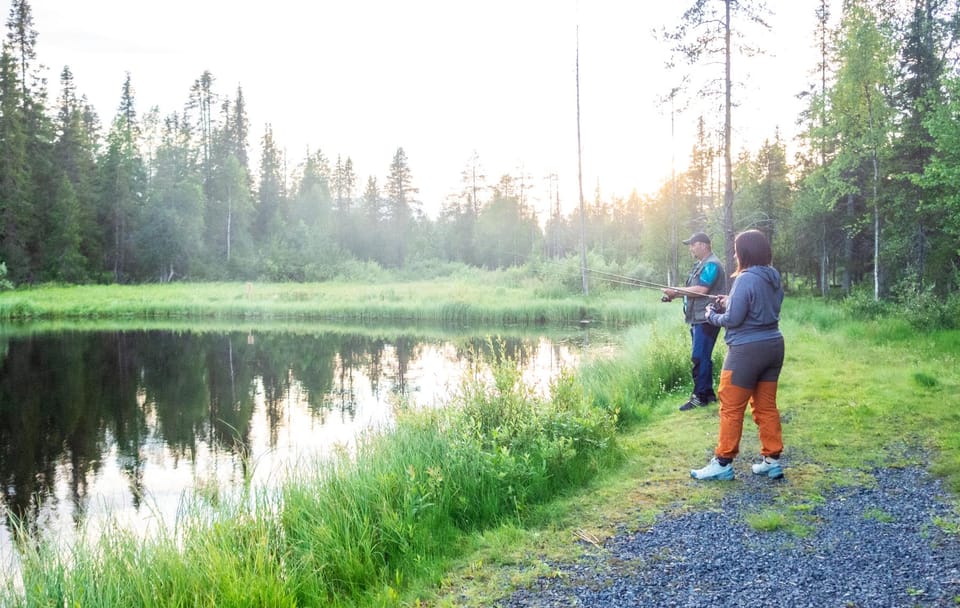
768 274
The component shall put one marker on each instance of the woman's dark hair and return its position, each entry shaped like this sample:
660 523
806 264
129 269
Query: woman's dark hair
752 248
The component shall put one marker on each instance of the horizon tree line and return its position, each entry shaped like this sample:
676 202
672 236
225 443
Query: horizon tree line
870 200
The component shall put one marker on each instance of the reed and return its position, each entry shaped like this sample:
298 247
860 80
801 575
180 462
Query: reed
360 527
487 298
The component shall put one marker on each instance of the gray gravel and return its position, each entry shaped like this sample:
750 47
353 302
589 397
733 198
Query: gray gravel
866 547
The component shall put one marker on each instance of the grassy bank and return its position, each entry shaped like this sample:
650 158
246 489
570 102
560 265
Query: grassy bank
458 505
855 394
487 298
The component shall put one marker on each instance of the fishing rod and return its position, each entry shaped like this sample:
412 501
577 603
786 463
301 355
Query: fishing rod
633 281
620 279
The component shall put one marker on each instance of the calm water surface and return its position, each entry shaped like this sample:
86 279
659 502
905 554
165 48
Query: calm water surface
97 426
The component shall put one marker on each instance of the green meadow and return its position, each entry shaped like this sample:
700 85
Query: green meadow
457 506
476 298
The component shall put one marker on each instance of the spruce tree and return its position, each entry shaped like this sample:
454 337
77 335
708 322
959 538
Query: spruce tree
123 180
16 221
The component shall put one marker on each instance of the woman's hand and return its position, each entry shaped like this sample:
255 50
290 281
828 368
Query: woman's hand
718 306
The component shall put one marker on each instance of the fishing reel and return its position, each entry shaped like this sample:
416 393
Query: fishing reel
717 306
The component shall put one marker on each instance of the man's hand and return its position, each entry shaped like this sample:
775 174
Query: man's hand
668 295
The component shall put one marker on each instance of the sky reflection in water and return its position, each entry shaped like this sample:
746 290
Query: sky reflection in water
95 425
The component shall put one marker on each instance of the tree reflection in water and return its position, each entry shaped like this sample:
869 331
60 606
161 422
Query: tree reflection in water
100 423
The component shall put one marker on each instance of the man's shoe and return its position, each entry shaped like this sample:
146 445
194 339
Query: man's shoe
714 471
692 403
769 467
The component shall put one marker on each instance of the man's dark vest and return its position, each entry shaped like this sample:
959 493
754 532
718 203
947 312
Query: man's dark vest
695 309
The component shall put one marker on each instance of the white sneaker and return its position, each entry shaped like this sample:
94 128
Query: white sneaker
769 467
714 471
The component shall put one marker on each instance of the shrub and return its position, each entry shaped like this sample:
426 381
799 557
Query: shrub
923 308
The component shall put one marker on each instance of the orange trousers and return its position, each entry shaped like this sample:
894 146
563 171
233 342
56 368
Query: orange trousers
744 368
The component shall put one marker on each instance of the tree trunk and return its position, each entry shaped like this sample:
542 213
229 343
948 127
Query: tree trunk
848 248
824 261
728 226
229 222
876 230
583 219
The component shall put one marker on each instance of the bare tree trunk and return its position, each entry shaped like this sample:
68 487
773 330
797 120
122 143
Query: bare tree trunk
876 229
674 271
728 226
583 220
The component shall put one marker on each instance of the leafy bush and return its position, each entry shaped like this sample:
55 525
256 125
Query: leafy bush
861 305
4 283
923 307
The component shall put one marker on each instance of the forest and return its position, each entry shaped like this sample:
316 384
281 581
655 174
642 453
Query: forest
870 202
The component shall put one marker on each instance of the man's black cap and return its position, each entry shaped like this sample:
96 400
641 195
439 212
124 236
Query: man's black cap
698 237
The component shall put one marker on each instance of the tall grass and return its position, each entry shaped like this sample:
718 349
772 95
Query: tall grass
485 298
355 529
654 363
363 526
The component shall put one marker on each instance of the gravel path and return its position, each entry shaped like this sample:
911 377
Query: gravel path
867 547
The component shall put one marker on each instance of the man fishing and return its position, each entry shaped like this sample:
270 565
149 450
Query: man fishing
707 278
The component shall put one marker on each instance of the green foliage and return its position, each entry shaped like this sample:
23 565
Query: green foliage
924 307
879 515
771 520
405 498
5 284
862 305
77 206
655 363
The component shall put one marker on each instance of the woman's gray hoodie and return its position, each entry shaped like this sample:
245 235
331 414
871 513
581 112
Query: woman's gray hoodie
753 307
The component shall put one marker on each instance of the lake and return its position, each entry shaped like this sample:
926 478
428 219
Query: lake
99 426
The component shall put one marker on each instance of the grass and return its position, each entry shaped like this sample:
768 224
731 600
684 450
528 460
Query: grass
854 394
484 298
458 506
773 520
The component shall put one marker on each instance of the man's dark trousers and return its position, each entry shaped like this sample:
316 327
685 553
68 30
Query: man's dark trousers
704 336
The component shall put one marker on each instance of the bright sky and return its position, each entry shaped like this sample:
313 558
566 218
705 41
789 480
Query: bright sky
441 78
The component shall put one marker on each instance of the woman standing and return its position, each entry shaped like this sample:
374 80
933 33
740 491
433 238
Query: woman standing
754 358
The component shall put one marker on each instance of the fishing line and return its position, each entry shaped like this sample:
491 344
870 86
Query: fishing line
620 279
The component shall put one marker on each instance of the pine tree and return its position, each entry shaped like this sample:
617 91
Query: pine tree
61 252
400 209
311 203
270 212
16 222
122 185
199 117
372 220
74 155
229 205
169 231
